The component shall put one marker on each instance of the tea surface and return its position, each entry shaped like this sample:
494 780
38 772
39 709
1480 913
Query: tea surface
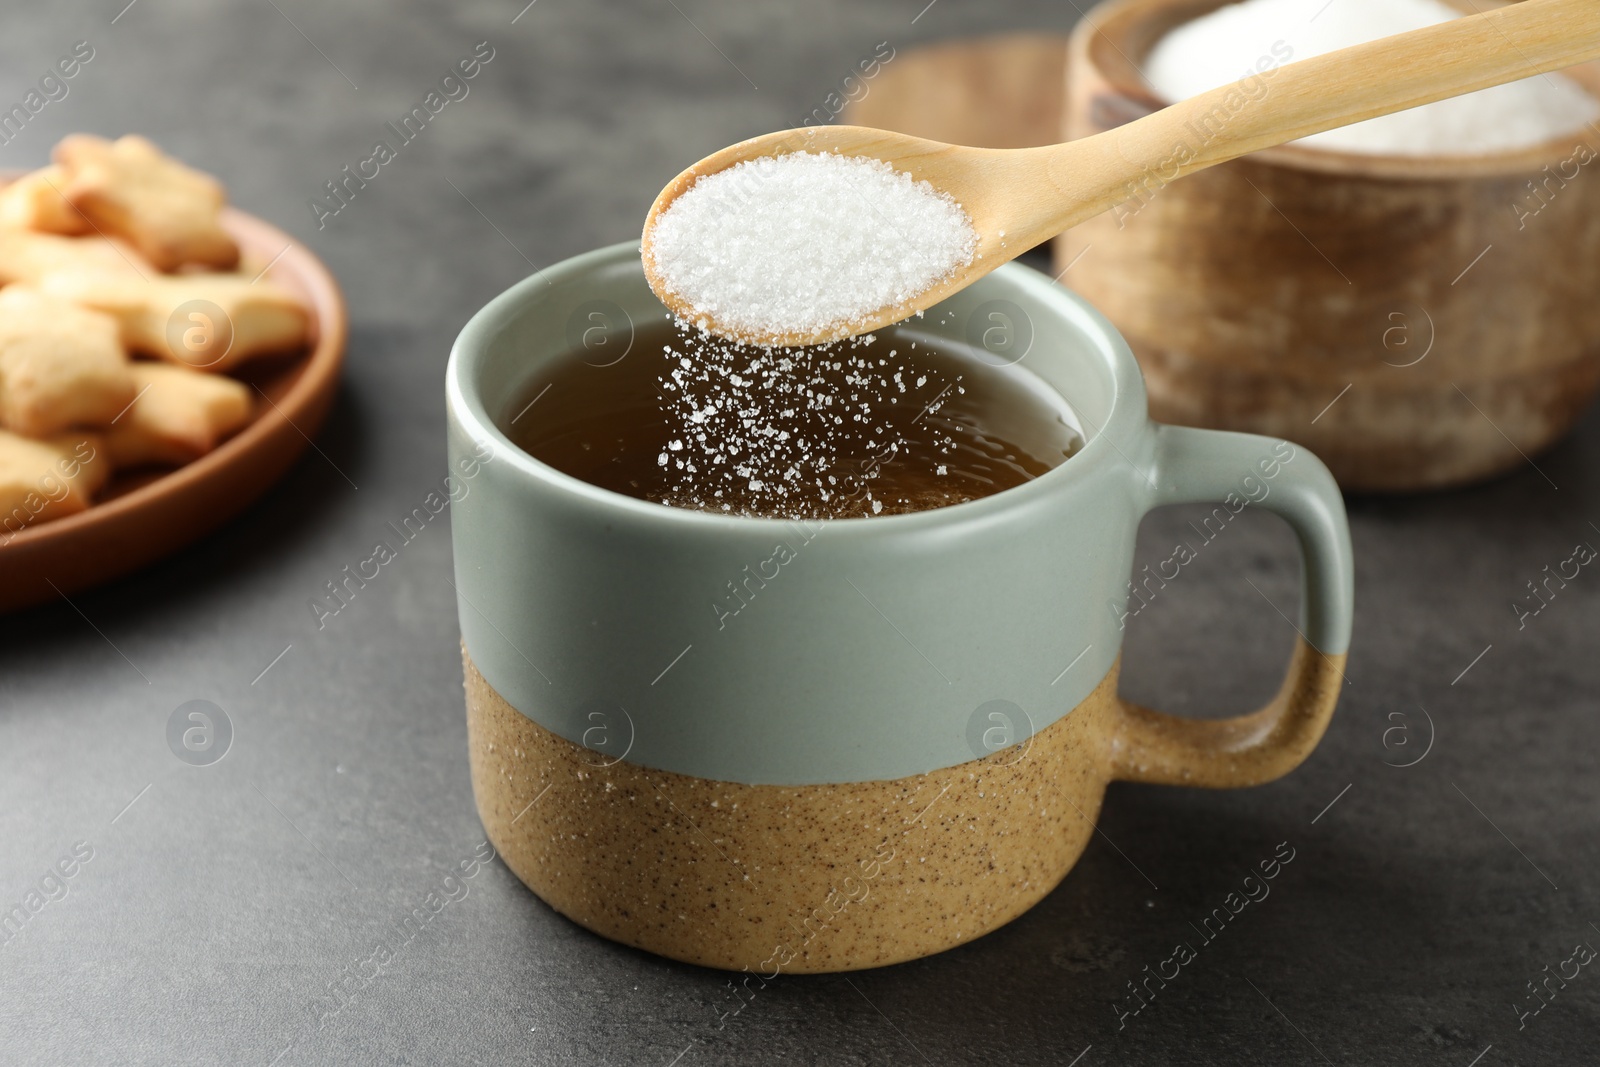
890 423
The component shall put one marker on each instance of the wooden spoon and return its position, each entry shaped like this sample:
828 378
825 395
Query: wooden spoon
1032 194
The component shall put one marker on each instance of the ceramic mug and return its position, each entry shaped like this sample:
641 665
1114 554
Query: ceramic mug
901 738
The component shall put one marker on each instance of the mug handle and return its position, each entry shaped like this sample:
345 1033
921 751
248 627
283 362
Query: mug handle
1207 465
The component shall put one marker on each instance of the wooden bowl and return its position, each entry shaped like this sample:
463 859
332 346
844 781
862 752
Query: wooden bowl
144 516
1399 316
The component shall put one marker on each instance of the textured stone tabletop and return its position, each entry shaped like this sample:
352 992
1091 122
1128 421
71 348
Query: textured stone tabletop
1443 839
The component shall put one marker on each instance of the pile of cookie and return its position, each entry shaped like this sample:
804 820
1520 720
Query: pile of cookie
124 307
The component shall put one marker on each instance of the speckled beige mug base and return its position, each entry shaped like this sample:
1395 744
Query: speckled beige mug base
787 878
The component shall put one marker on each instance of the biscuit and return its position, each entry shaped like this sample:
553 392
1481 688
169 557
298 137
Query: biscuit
130 189
49 479
28 257
35 202
179 415
210 322
61 365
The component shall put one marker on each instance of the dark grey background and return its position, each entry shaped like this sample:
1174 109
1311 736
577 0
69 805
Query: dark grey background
222 899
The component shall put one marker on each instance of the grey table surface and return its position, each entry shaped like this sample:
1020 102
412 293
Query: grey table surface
221 901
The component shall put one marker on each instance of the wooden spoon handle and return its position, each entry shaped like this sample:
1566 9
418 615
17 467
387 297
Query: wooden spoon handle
1337 89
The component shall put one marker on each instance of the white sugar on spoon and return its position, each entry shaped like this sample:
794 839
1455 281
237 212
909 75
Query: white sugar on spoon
811 241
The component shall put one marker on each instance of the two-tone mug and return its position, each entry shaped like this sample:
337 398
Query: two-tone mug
902 738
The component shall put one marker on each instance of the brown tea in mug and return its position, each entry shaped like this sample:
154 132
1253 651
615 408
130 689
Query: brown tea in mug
883 424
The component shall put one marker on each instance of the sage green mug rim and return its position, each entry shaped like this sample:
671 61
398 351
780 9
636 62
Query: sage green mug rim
1126 416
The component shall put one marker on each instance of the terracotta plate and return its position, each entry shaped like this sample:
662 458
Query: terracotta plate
143 516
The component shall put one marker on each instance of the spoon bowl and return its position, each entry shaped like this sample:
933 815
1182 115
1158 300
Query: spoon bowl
968 175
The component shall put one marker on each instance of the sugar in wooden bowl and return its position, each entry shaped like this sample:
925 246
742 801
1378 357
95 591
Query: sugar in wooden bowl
1411 298
1217 48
